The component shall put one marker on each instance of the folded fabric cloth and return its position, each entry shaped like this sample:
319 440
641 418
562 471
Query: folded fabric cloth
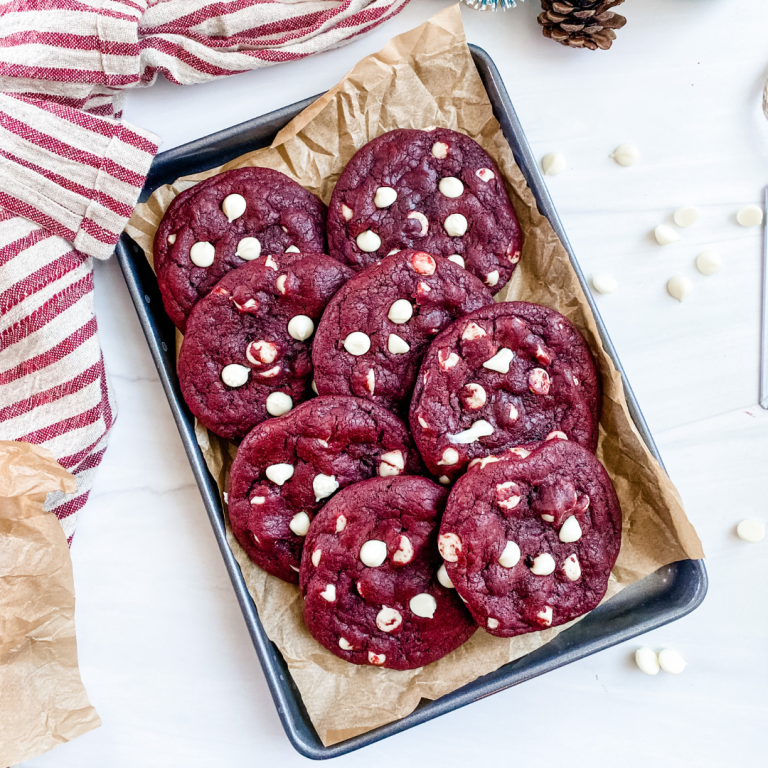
72 171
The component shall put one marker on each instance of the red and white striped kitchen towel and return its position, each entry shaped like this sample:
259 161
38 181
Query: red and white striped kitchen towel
71 171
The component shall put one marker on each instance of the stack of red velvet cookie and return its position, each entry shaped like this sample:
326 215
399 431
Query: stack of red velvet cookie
444 476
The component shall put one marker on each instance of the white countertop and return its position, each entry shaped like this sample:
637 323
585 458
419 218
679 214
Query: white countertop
164 651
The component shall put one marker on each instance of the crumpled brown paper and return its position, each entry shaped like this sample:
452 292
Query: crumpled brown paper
42 699
424 78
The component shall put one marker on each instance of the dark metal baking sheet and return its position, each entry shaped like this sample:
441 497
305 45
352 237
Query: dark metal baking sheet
667 595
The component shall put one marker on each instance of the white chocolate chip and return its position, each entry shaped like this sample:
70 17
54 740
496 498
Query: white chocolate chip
341 523
377 659
171 239
483 462
493 623
646 659
396 345
750 216
314 387
572 568
400 312
235 375
261 352
256 539
485 174
752 531
258 499
324 486
295 568
346 212
477 398
473 331
665 235
202 254
388 619
538 381
450 457
357 343
556 435
392 463
708 262
548 518
480 428
543 564
455 225
404 553
687 216
370 381
423 605
299 523
285 229
450 186
292 249
373 553
545 615
368 241
444 480
456 259
510 557
626 154
570 531
553 164
422 219
604 283
671 661
279 474
271 263
512 254
329 593
345 645
269 374
500 361
423 422
492 278
679 287
444 578
447 361
520 452
248 249
514 414
280 284
301 327
384 197
233 207
508 495
439 150
316 555
279 403
449 545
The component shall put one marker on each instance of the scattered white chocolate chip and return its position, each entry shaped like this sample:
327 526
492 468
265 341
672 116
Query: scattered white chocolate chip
500 361
572 568
324 486
493 623
553 164
514 414
570 530
256 539
392 463
280 284
456 259
422 219
447 361
485 174
444 578
357 343
388 619
484 462
480 428
450 186
538 381
604 283
279 474
423 605
396 345
545 615
202 254
665 235
345 645
400 312
394 251
687 216
278 403
492 278
473 331
270 262
626 154
261 352
556 435
455 225
750 216
477 398
233 207
671 661
646 659
368 241
548 518
248 249
752 531
171 239
370 381
301 327
444 480
341 523
285 229
439 150
316 555
708 262
377 659
269 374
423 422
299 523
449 545
450 457
235 375
295 568
404 552
543 564
508 495
510 557
373 553
384 197
346 212
329 593
679 287
292 249
314 387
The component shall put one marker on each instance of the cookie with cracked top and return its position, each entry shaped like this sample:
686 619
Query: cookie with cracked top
374 592
287 468
529 540
505 375
247 351
376 329
436 191
225 221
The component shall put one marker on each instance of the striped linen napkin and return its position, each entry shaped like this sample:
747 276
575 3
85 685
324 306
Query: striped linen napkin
71 172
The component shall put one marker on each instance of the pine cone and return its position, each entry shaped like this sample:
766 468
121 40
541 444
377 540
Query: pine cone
581 23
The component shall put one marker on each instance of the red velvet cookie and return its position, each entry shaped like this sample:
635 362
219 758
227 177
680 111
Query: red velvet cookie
287 468
226 221
369 574
509 374
436 191
247 350
377 327
529 540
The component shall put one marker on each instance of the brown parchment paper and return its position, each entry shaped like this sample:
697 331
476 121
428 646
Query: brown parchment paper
424 78
42 699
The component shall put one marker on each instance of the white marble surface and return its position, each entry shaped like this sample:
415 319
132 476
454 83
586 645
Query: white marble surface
163 649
